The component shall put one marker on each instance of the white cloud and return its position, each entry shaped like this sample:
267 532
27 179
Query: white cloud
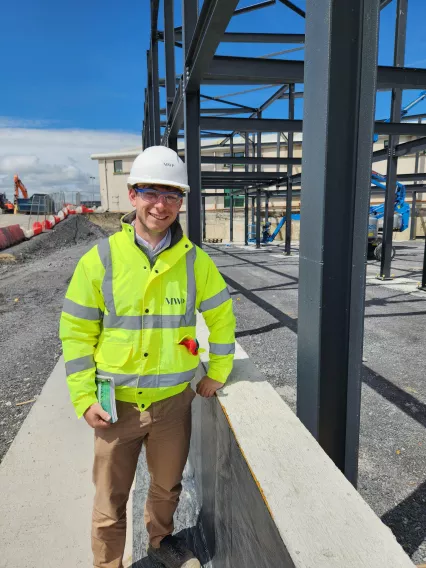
50 160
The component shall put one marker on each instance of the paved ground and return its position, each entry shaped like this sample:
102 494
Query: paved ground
7 219
393 444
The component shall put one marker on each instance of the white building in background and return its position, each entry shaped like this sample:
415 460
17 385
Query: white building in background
114 169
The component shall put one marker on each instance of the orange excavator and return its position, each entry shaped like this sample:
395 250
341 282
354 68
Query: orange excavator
19 186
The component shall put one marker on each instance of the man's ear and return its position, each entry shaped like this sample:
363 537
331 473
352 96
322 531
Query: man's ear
132 196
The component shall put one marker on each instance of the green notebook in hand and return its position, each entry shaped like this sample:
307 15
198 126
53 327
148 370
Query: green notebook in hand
106 395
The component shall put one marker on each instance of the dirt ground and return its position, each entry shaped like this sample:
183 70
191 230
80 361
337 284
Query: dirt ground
32 290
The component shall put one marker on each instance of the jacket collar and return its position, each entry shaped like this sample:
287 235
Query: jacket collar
175 229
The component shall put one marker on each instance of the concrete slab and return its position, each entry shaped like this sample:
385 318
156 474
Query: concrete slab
46 488
7 219
393 415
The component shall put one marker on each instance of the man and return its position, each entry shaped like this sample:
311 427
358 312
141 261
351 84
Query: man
129 314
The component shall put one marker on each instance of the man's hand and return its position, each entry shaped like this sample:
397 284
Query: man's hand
96 417
207 387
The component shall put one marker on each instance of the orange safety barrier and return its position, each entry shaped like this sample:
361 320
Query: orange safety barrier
37 228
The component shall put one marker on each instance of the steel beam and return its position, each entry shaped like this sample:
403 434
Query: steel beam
272 161
253 7
289 196
214 18
411 177
294 8
250 176
231 70
392 163
384 3
251 124
405 149
298 95
255 37
338 135
275 96
400 129
226 102
283 125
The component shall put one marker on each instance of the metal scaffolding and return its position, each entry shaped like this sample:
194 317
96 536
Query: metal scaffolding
340 79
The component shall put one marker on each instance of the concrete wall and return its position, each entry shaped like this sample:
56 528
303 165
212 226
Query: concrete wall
270 497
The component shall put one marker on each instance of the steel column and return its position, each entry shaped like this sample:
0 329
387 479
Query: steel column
266 208
191 105
246 204
423 286
169 47
337 138
231 218
246 217
203 197
151 141
392 166
258 213
289 196
155 92
413 216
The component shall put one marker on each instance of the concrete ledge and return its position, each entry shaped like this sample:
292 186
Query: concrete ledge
269 494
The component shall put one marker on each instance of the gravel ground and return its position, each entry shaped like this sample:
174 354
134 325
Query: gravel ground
392 462
32 290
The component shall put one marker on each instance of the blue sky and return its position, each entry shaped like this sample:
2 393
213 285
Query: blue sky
83 64
81 67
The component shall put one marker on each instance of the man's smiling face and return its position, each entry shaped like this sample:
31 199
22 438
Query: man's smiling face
157 217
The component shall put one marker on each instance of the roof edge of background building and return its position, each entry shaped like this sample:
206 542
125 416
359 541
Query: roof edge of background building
132 153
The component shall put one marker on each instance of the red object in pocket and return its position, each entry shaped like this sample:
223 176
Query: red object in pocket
192 345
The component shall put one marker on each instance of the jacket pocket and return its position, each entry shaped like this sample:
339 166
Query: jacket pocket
113 354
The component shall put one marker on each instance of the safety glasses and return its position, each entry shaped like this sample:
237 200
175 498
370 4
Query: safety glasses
153 195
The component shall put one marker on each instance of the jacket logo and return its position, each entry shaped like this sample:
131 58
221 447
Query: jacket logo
173 301
169 165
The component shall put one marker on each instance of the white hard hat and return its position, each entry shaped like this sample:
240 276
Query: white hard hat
159 165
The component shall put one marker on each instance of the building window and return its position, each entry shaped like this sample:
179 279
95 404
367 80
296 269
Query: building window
118 166
238 200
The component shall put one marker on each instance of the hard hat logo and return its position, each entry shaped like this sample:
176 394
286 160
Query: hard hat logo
159 165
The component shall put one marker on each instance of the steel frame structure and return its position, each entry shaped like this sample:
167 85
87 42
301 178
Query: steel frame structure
340 78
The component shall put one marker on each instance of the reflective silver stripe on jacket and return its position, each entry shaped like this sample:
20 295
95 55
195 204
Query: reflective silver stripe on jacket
81 364
104 251
149 381
191 288
79 311
222 348
149 321
215 300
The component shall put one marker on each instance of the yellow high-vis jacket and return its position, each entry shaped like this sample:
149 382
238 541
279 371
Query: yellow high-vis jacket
125 319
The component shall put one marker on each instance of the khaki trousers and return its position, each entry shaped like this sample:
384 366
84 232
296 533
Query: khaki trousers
165 430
